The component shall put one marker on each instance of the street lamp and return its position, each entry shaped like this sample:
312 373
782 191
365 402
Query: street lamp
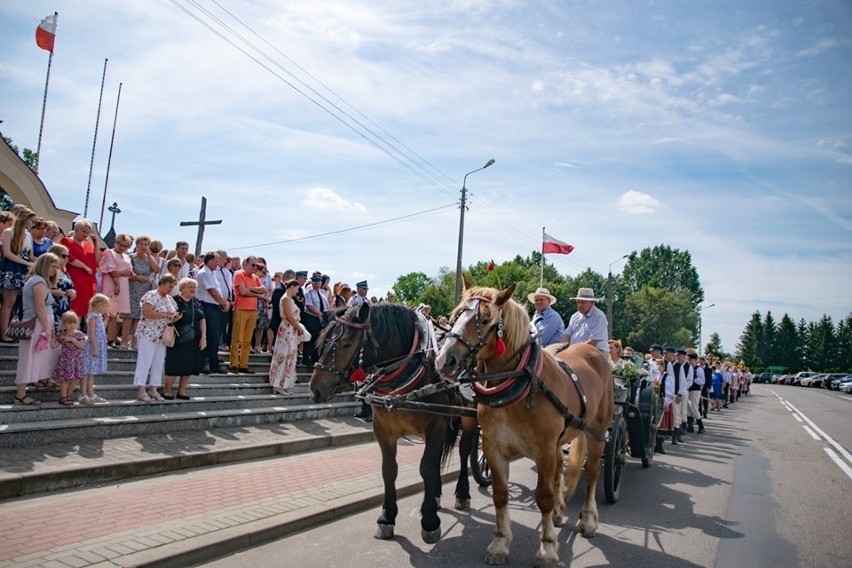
461 229
700 337
609 296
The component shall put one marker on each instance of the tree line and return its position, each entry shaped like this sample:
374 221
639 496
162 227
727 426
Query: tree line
656 298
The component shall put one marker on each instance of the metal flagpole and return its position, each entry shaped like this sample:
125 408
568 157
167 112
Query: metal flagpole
541 276
44 103
109 160
95 143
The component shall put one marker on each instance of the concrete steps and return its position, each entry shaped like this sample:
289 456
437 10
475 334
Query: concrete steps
218 401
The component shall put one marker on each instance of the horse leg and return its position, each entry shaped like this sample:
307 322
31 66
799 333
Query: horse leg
465 449
390 470
498 550
559 491
430 471
547 466
588 524
576 457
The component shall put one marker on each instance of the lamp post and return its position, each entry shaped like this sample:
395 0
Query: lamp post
609 296
700 338
461 229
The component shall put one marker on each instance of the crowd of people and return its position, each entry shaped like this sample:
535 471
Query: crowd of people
70 298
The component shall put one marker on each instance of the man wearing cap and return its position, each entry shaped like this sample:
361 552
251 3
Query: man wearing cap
693 409
664 378
547 321
676 372
588 324
361 295
316 303
688 374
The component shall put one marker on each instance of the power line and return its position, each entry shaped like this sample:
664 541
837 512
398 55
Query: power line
349 230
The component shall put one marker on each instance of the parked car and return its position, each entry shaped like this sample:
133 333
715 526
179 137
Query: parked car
847 387
838 381
813 381
800 376
785 379
763 378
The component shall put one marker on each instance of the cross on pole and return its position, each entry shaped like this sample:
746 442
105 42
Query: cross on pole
202 222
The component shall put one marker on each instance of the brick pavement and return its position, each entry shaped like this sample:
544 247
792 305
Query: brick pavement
191 516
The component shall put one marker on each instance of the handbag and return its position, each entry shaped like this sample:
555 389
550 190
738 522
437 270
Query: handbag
186 333
21 329
168 336
305 334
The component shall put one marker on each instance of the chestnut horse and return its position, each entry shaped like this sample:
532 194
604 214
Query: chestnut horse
530 403
393 344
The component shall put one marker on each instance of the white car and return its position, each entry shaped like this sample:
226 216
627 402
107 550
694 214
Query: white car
846 387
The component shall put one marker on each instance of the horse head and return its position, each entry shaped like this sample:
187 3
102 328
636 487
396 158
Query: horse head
341 344
488 329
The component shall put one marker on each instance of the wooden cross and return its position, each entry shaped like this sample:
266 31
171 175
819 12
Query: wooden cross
202 221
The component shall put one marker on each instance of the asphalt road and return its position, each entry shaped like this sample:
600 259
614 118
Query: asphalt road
758 489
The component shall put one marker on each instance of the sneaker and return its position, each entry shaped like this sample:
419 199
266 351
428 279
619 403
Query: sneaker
97 400
85 400
245 371
154 395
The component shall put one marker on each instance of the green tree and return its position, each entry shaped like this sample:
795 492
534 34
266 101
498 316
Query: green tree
823 345
666 268
29 157
787 345
749 348
844 344
803 348
409 287
715 347
657 315
766 344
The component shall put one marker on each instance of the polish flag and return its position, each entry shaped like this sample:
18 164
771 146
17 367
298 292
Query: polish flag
46 33
554 246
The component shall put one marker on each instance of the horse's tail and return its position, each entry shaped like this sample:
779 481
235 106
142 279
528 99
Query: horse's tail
452 433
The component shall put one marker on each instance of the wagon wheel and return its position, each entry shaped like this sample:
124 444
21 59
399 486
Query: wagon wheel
615 456
478 466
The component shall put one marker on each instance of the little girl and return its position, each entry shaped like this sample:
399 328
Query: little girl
69 366
95 354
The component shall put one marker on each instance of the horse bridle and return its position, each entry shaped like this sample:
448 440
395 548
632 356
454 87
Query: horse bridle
469 361
332 345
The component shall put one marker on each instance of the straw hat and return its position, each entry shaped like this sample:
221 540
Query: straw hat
542 292
586 294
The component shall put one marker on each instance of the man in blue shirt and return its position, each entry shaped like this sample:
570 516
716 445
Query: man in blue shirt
588 324
547 321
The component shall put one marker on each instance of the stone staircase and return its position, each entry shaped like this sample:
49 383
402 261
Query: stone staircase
218 401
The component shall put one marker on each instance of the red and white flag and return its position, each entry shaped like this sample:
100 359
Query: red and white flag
554 246
46 33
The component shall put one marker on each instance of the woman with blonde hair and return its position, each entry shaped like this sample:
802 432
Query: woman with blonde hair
183 359
63 292
615 351
17 258
117 269
146 267
84 256
36 356
158 310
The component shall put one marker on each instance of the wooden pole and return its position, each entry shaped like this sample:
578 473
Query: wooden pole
202 222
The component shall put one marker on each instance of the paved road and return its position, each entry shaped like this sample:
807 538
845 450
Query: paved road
757 490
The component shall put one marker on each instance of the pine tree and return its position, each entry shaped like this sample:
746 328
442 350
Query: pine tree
767 347
823 345
844 344
787 345
748 349
803 347
715 347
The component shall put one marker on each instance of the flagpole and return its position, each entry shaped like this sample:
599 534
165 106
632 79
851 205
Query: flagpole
44 105
541 277
109 160
95 143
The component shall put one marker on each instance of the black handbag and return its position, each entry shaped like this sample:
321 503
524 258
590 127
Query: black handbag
186 332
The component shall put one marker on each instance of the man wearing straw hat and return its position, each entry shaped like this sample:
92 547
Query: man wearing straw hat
547 321
588 324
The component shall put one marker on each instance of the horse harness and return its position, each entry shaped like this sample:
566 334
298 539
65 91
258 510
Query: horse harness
524 381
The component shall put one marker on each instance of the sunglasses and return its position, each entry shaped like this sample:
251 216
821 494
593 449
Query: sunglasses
63 256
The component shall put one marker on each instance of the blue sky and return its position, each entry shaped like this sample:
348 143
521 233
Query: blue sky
722 128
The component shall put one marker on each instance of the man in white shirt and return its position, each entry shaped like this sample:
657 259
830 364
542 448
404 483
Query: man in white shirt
588 324
361 296
212 293
182 249
225 278
316 303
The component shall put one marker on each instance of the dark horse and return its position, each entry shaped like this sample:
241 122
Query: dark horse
393 345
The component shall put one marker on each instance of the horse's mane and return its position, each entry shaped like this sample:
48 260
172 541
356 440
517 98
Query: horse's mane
516 320
393 326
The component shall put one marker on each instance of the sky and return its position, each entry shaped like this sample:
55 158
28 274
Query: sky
722 128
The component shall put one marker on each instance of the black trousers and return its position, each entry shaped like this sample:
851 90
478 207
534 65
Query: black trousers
309 348
213 316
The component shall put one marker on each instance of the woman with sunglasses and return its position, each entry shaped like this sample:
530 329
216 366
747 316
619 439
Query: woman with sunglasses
63 292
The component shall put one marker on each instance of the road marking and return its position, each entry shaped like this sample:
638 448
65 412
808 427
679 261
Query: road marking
828 438
796 416
840 463
811 432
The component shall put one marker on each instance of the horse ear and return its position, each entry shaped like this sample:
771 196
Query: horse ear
363 312
505 295
466 284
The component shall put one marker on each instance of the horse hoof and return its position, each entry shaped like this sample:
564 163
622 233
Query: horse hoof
585 532
384 532
557 521
496 558
431 537
545 563
462 504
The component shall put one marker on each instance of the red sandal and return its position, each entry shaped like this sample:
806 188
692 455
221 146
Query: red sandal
66 401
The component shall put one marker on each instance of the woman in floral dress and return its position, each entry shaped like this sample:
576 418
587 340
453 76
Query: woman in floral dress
282 371
63 292
158 310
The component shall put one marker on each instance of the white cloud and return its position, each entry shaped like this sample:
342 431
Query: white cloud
325 199
637 203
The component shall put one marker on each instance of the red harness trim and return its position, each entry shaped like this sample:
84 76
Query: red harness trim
396 373
504 385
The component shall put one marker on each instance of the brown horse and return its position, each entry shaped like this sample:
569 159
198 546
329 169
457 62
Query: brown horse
530 403
392 344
